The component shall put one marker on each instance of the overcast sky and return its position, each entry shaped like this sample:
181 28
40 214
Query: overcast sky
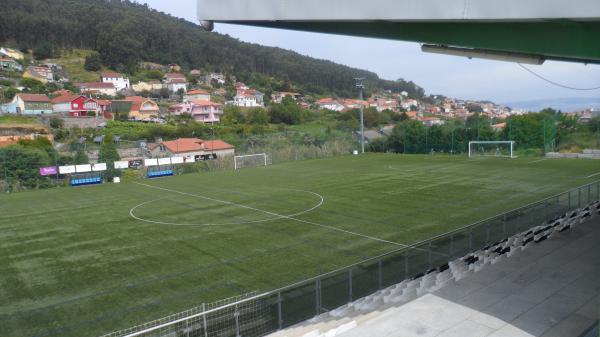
438 74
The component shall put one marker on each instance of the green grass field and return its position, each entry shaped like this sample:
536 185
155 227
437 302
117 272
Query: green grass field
87 261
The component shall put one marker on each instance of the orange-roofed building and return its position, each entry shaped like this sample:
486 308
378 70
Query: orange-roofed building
197 94
412 114
330 104
499 127
142 108
193 148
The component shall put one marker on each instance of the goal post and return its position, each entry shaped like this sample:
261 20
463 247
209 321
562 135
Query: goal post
492 149
252 160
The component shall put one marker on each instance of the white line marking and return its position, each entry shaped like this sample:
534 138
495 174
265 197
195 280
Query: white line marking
537 161
132 213
274 214
593 175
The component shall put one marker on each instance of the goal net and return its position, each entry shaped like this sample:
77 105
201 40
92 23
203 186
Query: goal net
252 160
492 149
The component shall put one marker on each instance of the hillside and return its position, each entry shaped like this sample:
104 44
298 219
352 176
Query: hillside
125 33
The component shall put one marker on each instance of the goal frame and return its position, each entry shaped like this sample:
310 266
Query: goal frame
510 142
235 159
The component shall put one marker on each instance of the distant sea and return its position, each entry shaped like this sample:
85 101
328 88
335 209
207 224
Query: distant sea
571 104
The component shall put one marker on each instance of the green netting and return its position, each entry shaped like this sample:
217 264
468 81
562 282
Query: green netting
441 251
393 270
418 260
365 280
335 291
298 304
461 244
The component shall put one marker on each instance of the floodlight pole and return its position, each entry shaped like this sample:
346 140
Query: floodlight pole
360 85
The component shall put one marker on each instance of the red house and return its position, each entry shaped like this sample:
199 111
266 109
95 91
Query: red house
76 106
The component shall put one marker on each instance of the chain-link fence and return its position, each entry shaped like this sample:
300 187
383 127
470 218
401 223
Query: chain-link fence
257 315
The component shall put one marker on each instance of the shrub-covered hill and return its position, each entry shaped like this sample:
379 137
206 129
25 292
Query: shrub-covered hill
125 33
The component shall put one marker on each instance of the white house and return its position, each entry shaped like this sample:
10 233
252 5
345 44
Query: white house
330 104
248 99
119 81
175 82
97 88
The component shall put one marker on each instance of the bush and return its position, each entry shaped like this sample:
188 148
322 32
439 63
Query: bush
43 51
56 123
93 62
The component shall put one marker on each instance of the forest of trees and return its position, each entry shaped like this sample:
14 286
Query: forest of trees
125 33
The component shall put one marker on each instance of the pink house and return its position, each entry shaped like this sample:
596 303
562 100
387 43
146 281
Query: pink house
202 110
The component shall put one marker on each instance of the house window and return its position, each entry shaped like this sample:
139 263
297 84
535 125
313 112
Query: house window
76 105
162 148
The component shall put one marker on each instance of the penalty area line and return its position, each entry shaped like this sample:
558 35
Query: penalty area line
282 216
537 161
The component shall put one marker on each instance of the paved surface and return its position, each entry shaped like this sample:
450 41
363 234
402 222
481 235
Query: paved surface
549 290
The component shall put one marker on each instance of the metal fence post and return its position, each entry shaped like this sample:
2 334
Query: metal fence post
451 252
236 315
579 198
204 320
487 233
279 316
349 285
470 239
589 194
380 274
504 234
429 255
318 297
569 203
406 264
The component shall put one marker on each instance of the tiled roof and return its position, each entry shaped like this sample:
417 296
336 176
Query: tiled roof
112 75
96 85
34 98
197 92
174 75
65 98
202 102
184 145
327 101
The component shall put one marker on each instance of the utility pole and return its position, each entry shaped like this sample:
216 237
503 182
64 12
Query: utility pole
360 85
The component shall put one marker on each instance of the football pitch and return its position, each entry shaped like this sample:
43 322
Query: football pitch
88 261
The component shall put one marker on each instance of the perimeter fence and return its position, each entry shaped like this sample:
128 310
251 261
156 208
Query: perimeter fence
260 314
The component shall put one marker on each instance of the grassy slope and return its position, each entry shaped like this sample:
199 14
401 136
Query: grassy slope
73 62
18 120
72 261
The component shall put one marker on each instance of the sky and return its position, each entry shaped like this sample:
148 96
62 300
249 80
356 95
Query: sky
452 76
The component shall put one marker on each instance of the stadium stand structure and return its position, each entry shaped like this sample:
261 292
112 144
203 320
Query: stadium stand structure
412 307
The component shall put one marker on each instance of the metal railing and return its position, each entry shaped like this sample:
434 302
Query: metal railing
258 315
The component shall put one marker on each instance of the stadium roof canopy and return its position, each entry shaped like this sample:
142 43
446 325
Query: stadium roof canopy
528 31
